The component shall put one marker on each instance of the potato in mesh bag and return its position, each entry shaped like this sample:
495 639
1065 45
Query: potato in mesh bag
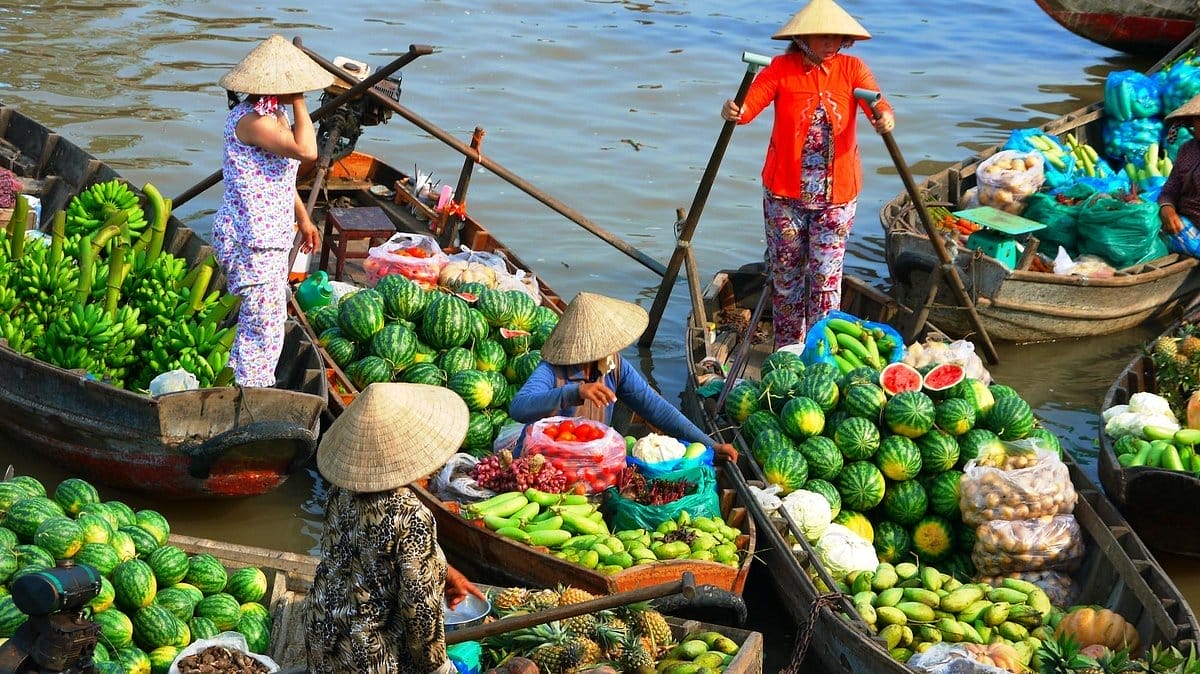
1015 483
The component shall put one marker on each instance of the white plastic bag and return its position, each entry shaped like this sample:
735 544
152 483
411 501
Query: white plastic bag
1063 264
173 381
945 658
234 641
454 482
768 498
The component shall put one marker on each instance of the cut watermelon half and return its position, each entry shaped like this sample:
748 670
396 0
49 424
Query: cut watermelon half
943 376
509 334
469 298
898 378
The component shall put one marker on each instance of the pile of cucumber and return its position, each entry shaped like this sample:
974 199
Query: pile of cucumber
1162 447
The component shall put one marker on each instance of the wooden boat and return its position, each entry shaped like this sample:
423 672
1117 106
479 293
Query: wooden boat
504 561
1133 26
1155 501
204 443
290 576
1118 571
1018 304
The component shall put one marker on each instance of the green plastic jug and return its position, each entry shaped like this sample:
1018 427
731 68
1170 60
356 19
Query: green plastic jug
314 291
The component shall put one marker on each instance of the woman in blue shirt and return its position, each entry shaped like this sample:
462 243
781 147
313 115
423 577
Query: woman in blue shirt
582 375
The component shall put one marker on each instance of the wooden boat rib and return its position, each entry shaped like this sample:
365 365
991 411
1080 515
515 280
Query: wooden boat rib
1158 503
1021 305
290 577
1134 26
1118 571
221 442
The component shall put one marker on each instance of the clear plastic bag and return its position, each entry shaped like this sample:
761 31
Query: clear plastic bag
1026 481
508 437
234 641
596 463
454 482
1007 177
1028 545
947 658
389 258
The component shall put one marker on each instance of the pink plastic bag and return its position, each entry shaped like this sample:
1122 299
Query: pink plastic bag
389 258
596 464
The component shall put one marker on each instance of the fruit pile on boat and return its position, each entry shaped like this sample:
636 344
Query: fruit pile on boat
478 341
100 295
632 638
155 599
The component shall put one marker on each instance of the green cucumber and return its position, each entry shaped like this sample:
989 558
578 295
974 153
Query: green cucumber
1170 459
1152 432
1187 436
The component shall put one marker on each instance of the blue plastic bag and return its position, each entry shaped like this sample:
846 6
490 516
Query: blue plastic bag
1187 241
1127 141
1129 94
467 657
660 468
1180 84
1055 175
816 349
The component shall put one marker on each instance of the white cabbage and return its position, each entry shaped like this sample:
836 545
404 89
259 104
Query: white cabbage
655 448
1150 403
810 511
842 551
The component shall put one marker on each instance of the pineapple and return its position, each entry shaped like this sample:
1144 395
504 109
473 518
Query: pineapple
1166 347
548 658
1060 655
510 599
591 652
1189 346
573 595
635 659
653 625
610 635
544 599
581 625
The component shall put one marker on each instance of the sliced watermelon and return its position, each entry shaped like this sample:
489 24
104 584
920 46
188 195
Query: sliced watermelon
943 376
898 378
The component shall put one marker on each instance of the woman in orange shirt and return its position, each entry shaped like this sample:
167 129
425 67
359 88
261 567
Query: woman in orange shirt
812 175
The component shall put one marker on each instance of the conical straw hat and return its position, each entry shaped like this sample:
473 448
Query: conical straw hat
1189 109
276 67
391 435
822 17
592 327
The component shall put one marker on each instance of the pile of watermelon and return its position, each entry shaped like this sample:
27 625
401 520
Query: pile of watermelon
480 342
155 598
886 449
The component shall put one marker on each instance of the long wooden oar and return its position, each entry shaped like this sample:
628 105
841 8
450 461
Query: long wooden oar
948 270
684 242
414 51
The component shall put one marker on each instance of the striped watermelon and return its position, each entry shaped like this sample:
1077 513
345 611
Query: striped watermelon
10 493
892 542
864 400
247 584
169 564
59 536
943 491
134 660
473 387
154 626
778 387
768 442
954 416
29 554
192 591
456 359
801 417
861 484
371 370
489 356
742 401
100 654
396 344
544 316
861 375
27 514
898 458
257 633
322 318
494 306
177 601
30 484
905 502
402 298
73 493
539 336
324 337
144 542
786 468
123 544
523 310
360 315
257 611
134 584
202 628
824 458
976 442
782 360
759 421
939 451
222 609
8 564
8 539
445 322
479 327
856 522
124 514
933 538
1046 439
95 528
155 524
424 373
909 413
826 489
858 438
115 627
975 392
480 433
524 365
162 657
206 573
343 351
1011 418
104 598
820 388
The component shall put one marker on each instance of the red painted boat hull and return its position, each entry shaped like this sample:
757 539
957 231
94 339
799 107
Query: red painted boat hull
1133 26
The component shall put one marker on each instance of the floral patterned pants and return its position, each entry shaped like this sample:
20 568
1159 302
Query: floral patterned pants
805 249
259 277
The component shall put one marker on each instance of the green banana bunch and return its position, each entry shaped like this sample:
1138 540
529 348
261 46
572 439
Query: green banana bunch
91 208
23 333
42 290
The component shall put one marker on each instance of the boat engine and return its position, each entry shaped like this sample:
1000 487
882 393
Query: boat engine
56 638
344 125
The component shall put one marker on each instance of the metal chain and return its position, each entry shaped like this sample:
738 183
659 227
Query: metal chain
804 635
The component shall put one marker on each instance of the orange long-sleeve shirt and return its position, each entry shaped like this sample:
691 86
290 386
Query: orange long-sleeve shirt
796 88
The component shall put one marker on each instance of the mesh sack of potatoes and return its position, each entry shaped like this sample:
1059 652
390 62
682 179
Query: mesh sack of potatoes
1015 483
1050 542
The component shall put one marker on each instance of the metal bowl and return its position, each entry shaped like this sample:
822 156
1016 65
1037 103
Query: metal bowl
470 611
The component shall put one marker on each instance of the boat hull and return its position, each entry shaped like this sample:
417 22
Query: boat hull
1118 571
1158 503
1132 26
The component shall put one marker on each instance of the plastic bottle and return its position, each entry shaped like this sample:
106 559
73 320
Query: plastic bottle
315 291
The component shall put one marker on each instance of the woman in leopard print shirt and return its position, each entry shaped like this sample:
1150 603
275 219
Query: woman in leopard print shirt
376 601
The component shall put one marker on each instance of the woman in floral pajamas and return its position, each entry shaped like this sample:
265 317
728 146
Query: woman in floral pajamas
812 175
260 213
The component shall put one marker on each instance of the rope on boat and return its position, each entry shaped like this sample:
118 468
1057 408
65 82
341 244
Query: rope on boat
804 635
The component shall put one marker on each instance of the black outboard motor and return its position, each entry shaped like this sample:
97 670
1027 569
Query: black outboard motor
346 123
56 638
